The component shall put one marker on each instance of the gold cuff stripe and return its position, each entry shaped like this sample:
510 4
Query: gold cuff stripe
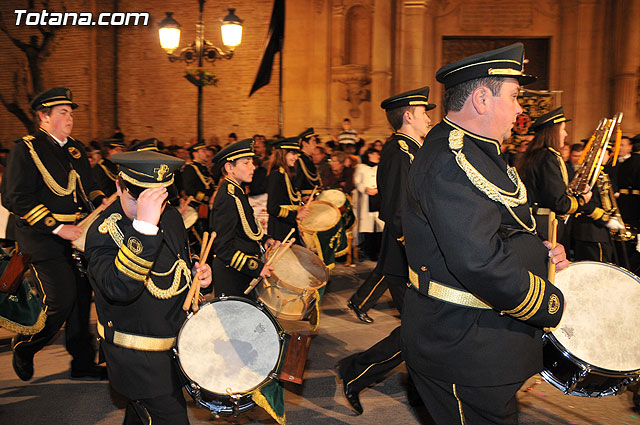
133 266
138 183
535 282
574 205
542 285
128 272
597 213
244 260
283 212
236 258
95 193
138 342
34 211
526 299
38 216
133 257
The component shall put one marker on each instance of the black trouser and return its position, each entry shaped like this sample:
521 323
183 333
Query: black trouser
451 404
229 282
363 369
374 286
593 251
164 410
371 244
66 295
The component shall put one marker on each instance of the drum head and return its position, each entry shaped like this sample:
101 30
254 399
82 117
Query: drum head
333 196
601 321
228 344
190 217
322 216
301 269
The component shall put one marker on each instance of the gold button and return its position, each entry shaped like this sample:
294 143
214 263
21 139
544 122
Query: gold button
110 323
424 268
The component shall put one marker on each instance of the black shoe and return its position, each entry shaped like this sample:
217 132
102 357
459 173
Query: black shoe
364 317
22 365
352 396
92 371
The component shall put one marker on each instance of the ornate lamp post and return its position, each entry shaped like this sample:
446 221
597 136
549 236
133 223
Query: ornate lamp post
201 49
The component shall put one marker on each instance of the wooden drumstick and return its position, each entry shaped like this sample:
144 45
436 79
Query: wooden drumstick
203 259
313 192
204 253
255 280
553 234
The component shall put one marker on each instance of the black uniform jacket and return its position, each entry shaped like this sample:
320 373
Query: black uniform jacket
197 182
457 236
239 234
282 204
27 192
124 304
105 174
397 155
307 177
547 184
629 188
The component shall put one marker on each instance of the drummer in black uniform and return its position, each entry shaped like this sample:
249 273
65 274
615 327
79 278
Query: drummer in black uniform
141 270
407 114
544 174
307 177
240 237
48 186
472 322
197 183
284 202
104 173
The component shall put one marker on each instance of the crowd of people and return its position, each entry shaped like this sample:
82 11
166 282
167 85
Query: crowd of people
459 238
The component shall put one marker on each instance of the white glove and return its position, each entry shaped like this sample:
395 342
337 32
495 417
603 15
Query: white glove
614 224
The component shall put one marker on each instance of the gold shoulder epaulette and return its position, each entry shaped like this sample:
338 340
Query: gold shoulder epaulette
281 169
403 145
456 138
28 138
231 189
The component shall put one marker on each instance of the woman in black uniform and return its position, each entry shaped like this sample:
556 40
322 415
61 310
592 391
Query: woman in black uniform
240 238
284 203
545 175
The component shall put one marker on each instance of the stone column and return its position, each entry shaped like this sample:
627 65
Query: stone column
381 72
412 44
626 64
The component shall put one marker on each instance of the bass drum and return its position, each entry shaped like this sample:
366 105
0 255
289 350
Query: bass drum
595 350
227 350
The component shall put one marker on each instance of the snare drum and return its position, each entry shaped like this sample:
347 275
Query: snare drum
228 349
595 350
322 216
189 217
335 197
290 292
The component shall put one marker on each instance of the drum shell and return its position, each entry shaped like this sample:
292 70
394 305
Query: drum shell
282 296
592 353
222 402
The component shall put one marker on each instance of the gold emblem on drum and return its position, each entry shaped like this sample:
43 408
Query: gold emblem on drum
554 304
253 264
49 221
75 153
134 245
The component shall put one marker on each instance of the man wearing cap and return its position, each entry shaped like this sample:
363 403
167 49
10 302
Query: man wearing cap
141 270
407 114
307 177
240 237
197 183
105 172
48 186
472 322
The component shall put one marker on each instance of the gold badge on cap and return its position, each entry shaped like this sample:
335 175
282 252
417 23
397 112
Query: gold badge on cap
161 171
74 152
68 94
134 245
554 304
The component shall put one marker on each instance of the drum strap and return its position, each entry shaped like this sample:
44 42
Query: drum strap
448 294
135 342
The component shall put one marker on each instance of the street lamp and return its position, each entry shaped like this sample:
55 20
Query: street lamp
200 49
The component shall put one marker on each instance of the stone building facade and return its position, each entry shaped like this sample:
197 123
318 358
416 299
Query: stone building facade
341 58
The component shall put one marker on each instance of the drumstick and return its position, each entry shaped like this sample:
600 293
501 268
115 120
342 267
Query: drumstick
194 291
313 192
284 249
255 280
274 259
553 230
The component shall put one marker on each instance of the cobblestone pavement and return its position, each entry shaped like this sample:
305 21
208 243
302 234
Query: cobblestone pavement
51 397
